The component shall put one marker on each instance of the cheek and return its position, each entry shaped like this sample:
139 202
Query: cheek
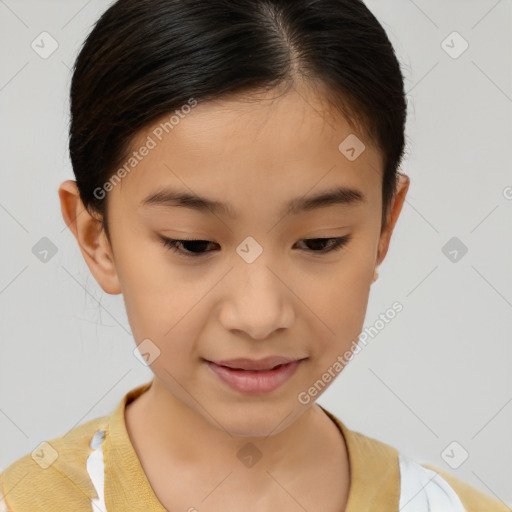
170 317
341 299
160 299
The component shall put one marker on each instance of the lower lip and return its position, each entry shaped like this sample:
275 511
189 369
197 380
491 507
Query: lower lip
253 382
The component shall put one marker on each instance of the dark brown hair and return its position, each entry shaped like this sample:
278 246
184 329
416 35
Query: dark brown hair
146 58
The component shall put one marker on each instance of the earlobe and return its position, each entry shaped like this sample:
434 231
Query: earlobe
91 238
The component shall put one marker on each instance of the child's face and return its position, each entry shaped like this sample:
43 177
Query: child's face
290 301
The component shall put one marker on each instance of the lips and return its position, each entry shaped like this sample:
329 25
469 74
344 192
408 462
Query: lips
265 364
254 381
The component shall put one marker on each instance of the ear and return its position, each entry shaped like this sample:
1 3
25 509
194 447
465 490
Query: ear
387 230
90 236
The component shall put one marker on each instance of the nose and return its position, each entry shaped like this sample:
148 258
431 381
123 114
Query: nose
257 300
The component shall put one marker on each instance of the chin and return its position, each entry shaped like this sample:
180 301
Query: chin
255 420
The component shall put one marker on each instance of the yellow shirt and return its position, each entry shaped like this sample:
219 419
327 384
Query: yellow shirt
94 467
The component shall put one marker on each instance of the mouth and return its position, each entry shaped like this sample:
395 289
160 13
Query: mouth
255 377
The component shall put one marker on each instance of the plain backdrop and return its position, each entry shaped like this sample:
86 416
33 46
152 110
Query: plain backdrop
435 380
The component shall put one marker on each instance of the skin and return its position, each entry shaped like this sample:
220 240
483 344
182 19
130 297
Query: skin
290 301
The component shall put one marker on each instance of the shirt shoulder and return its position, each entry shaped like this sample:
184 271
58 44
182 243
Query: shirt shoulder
385 479
472 498
54 476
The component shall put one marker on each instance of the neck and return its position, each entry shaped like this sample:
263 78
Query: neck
164 429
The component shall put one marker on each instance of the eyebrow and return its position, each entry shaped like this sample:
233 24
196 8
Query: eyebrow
170 198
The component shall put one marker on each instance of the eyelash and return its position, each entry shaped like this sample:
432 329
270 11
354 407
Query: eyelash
173 244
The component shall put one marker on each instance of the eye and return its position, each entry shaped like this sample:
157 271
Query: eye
329 244
194 248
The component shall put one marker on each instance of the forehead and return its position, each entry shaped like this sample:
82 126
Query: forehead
261 148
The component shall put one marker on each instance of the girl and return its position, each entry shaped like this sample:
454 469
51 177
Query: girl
237 181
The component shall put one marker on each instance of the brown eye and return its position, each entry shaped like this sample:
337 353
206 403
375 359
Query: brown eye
325 245
191 248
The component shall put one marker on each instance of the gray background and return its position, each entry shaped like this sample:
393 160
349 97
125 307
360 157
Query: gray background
439 372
